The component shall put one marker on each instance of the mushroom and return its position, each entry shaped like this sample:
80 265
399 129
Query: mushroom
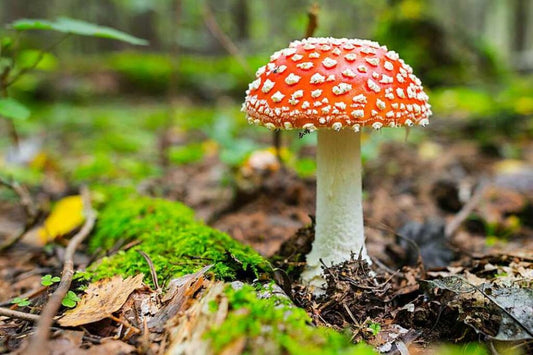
336 86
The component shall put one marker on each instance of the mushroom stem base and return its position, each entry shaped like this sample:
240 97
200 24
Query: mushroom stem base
339 228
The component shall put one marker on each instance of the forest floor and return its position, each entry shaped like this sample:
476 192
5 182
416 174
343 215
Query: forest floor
448 222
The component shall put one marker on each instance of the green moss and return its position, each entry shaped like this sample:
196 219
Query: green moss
169 234
190 153
286 329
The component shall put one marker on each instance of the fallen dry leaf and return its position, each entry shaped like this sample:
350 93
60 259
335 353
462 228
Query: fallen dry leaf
108 346
101 299
68 342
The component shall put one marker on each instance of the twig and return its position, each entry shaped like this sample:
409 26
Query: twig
23 194
32 213
463 214
38 343
312 20
349 313
153 273
4 312
15 138
225 41
125 323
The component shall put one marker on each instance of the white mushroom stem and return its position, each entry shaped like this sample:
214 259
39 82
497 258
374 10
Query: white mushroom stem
339 210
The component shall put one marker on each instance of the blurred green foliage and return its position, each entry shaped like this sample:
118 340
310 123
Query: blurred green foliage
488 113
191 153
438 56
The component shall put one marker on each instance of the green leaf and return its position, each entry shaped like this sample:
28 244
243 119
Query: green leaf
48 280
70 300
6 43
33 57
375 328
12 109
20 302
77 27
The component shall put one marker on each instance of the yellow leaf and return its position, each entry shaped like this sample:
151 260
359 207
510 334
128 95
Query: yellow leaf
39 161
510 166
66 216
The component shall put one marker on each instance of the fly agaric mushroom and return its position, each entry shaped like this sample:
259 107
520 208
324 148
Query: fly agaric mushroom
336 86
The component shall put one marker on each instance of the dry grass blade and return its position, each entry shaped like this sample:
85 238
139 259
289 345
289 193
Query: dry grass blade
153 273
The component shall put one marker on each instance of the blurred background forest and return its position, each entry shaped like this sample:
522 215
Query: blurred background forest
447 42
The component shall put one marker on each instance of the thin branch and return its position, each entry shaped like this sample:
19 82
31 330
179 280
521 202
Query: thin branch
312 20
5 312
125 323
463 214
225 41
23 194
31 211
39 342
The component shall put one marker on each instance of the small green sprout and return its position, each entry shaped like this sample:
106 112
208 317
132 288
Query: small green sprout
20 302
48 280
375 328
70 300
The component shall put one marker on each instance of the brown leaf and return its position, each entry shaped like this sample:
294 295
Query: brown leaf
68 342
108 346
101 299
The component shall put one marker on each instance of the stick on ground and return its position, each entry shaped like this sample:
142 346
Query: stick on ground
39 342
5 312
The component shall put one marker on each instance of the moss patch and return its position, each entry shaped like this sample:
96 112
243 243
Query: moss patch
166 231
271 323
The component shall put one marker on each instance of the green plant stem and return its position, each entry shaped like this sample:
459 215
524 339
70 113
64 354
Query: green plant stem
11 125
42 53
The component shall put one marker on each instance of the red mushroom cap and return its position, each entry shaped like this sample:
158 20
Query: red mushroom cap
336 83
